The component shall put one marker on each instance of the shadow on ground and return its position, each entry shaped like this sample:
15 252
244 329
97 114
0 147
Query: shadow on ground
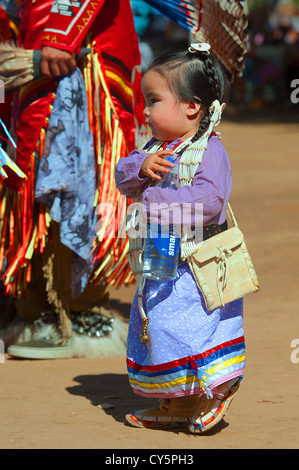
113 394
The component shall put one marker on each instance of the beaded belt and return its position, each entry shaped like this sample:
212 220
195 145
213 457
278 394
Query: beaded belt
211 230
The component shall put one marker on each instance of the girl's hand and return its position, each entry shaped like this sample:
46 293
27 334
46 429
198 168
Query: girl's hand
157 163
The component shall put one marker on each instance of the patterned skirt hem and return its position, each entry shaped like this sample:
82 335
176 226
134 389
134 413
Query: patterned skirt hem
182 393
189 375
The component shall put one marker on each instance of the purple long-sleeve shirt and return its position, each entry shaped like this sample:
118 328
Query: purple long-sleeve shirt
211 185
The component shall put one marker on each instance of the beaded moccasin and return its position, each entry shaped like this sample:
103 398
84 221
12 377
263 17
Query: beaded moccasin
210 412
173 413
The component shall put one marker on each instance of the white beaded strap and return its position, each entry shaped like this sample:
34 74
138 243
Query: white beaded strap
193 154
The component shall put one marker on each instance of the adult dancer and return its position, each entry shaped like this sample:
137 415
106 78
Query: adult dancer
40 252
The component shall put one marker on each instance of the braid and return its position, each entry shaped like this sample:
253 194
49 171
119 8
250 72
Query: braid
203 125
213 78
215 92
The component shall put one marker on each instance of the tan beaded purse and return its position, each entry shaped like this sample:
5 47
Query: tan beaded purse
222 266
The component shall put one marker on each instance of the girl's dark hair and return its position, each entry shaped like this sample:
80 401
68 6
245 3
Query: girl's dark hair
196 76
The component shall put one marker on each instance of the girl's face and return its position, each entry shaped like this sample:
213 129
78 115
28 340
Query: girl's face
167 116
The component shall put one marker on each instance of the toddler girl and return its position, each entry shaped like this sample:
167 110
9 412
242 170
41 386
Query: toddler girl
194 359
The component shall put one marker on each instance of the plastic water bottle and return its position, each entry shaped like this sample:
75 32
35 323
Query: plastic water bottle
161 255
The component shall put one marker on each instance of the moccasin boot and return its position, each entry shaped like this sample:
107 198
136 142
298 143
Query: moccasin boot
172 413
210 412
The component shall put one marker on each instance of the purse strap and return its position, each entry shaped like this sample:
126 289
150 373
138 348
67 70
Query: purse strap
230 215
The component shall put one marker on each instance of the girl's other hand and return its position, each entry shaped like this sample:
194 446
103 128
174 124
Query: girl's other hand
157 163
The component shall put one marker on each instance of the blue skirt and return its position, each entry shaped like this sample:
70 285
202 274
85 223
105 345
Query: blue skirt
191 349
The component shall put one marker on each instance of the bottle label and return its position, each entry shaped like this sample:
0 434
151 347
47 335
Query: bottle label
166 245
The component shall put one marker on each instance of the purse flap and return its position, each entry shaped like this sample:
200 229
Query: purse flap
227 240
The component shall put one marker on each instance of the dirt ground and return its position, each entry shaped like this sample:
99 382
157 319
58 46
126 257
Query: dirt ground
56 404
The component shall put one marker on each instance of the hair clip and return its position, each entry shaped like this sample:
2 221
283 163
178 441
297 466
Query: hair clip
199 47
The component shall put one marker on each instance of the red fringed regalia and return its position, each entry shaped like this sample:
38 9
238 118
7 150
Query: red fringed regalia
112 78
